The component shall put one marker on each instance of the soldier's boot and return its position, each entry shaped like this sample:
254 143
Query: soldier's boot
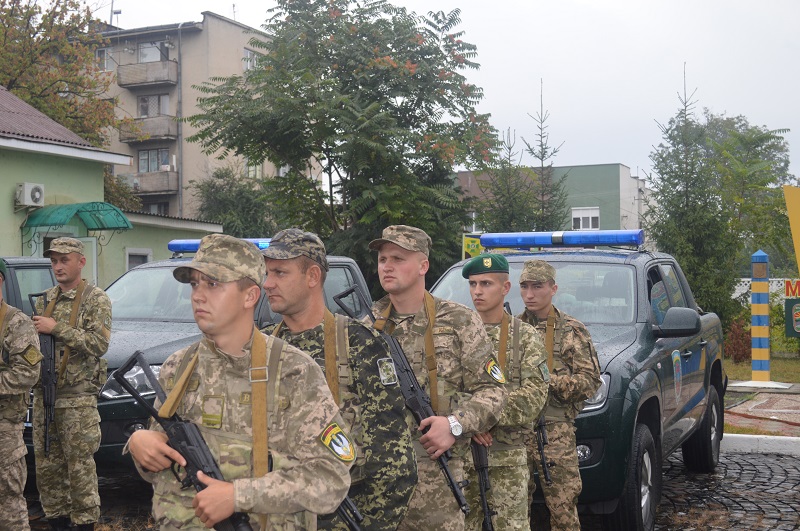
61 523
85 527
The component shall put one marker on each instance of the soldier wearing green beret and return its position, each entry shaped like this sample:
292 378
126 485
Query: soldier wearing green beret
520 351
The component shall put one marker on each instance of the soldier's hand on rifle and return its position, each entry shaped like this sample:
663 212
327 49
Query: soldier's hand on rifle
215 502
44 325
151 451
438 439
484 439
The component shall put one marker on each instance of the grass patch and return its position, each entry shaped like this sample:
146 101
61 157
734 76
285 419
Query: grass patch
785 370
747 430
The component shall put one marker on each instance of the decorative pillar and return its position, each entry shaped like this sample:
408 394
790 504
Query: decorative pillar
759 323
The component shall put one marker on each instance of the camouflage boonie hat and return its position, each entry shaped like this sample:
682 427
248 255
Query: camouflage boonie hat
409 238
3 271
291 243
64 246
537 271
225 259
485 263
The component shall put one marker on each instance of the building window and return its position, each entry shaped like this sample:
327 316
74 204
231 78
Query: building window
104 61
254 171
249 60
153 160
150 52
161 209
135 257
587 218
155 105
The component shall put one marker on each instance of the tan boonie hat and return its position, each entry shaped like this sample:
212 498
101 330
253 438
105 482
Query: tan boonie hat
64 246
409 238
537 271
291 243
225 259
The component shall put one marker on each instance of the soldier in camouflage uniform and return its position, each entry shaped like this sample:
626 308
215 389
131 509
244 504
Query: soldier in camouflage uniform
19 370
574 377
78 316
458 371
251 396
520 351
385 473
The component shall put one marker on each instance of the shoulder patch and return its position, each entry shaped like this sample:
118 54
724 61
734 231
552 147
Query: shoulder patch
545 371
32 355
387 371
493 369
337 442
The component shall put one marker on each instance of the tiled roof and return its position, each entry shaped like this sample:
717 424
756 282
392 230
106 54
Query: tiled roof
19 120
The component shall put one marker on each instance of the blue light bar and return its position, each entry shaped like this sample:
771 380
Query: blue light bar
567 238
191 246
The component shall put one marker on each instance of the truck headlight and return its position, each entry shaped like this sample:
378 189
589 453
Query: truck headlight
599 398
112 389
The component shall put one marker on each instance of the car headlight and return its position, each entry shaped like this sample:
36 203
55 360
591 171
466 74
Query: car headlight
599 398
112 389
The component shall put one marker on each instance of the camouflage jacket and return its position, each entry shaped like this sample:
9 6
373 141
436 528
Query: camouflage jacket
527 376
467 386
19 368
576 371
307 476
88 340
372 406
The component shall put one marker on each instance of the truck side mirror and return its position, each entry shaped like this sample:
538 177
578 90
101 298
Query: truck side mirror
678 322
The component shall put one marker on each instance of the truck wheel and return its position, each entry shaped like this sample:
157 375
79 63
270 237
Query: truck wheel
636 510
701 450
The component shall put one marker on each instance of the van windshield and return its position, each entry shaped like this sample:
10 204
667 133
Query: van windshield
150 294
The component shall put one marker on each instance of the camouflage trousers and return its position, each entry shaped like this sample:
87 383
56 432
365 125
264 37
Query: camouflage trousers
561 497
508 496
13 508
67 478
432 506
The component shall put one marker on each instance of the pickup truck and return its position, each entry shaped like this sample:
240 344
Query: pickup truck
660 356
152 312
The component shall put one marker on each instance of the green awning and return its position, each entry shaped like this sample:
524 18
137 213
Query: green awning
96 216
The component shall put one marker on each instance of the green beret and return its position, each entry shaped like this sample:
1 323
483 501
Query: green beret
485 263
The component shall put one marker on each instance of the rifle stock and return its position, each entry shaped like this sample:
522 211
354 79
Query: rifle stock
184 437
480 458
49 378
417 401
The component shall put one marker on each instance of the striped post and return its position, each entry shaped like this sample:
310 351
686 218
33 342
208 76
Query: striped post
759 324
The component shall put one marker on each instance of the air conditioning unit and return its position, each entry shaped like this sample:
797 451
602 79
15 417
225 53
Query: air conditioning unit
165 167
30 195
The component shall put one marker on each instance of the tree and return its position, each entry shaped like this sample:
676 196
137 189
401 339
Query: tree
47 59
550 196
687 217
367 98
236 201
509 193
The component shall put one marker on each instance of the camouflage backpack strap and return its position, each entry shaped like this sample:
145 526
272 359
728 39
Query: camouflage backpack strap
182 375
549 337
5 317
343 349
502 350
430 351
330 350
516 354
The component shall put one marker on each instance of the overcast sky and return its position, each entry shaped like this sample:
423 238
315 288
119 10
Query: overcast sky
611 69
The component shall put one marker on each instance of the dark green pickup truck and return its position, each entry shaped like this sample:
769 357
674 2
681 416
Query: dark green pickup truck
660 359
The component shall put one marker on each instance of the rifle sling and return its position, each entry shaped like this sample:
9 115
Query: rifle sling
73 318
503 348
3 326
549 337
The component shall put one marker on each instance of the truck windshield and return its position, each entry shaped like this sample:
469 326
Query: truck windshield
591 292
150 294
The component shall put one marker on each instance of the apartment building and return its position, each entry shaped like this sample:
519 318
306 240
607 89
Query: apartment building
157 69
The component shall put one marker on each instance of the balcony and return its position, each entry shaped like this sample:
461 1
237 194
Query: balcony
153 183
147 74
153 128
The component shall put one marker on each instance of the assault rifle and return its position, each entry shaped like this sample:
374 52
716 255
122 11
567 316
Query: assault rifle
49 378
480 458
184 437
417 401
541 442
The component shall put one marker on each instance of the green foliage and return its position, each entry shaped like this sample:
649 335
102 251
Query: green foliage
366 97
550 210
47 59
236 201
508 193
117 192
